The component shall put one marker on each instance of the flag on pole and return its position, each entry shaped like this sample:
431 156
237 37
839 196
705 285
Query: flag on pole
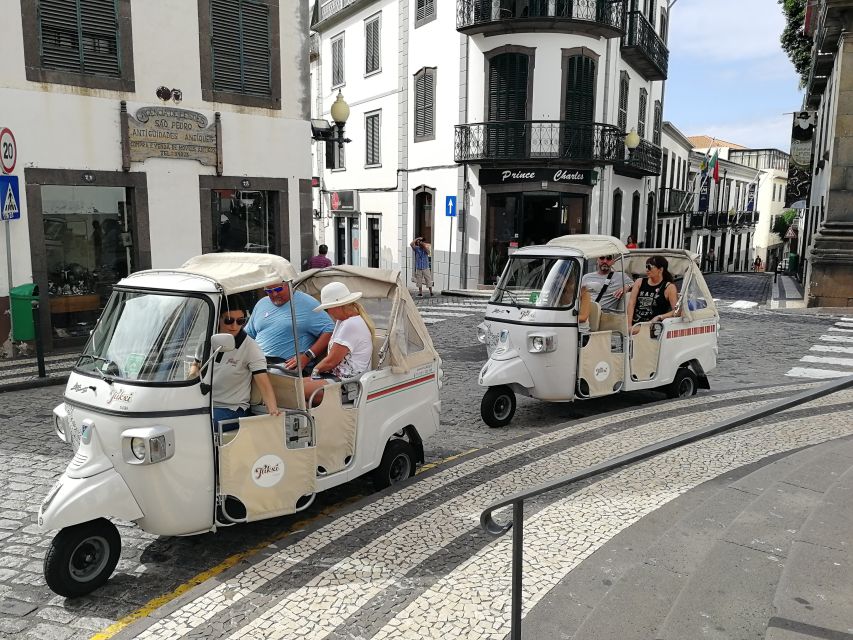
714 165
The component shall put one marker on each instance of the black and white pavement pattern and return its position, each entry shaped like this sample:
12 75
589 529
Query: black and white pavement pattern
412 561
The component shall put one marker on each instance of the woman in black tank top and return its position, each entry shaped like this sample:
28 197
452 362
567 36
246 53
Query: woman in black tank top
654 297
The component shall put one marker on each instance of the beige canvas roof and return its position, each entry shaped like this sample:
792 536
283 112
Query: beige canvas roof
238 272
591 246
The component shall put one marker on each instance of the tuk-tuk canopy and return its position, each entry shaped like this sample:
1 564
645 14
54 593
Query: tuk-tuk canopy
238 272
591 246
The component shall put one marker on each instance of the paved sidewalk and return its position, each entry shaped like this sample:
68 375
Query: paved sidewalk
743 533
23 373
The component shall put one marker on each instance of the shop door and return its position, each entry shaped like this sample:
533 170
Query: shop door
373 242
243 221
354 241
508 74
502 232
340 240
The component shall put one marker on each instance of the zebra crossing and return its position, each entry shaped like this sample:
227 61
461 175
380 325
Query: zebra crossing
441 311
832 357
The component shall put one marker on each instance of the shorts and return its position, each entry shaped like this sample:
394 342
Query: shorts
422 277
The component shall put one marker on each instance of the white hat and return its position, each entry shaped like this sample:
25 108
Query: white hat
336 294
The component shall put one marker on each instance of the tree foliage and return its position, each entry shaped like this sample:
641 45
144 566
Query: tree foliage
782 222
794 40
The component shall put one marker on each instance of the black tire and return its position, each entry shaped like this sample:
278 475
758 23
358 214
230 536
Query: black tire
82 558
498 406
684 385
398 464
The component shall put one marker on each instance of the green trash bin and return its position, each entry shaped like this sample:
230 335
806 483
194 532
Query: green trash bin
20 303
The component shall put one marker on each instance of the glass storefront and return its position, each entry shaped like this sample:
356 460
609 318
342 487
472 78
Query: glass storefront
516 220
88 248
242 221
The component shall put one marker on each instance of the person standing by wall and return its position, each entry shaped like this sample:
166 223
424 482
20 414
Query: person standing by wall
423 275
321 260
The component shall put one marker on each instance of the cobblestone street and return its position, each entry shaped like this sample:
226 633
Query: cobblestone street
757 348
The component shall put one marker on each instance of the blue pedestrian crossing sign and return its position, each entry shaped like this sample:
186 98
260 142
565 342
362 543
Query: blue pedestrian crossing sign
10 208
450 207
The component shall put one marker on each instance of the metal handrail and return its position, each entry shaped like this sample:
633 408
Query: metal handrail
488 523
641 34
609 13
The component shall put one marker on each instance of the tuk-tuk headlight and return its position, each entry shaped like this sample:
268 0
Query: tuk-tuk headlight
541 343
481 333
148 445
137 447
60 422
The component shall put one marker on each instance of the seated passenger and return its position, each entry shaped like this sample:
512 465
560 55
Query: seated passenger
233 371
654 297
351 344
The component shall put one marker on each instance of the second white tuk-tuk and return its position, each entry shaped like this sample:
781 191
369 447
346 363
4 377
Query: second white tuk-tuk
140 416
536 347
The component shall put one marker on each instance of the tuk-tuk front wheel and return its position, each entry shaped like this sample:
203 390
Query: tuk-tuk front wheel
82 558
398 464
498 406
684 384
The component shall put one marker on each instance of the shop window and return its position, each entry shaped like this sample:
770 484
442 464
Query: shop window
242 65
243 221
88 248
84 43
372 62
425 105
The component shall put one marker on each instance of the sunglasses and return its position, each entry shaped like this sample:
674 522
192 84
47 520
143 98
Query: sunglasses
273 290
606 258
651 266
240 321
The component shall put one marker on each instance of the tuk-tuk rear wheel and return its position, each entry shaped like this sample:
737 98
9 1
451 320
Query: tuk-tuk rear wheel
82 558
684 385
398 464
498 406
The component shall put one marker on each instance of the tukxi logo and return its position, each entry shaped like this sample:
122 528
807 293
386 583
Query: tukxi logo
268 471
601 371
120 395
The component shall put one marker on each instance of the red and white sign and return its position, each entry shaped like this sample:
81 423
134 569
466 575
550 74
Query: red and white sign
8 150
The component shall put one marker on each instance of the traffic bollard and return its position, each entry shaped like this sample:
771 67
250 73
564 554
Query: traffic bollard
39 346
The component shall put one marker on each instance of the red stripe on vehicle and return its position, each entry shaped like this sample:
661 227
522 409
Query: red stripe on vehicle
693 331
400 387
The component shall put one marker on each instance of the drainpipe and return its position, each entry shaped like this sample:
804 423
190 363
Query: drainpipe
606 109
466 196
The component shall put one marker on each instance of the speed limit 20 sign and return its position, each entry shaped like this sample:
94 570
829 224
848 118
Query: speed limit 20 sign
8 150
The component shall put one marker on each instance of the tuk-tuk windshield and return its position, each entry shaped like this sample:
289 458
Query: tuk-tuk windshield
534 281
150 337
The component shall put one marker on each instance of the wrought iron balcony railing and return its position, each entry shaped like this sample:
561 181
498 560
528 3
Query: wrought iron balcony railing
722 219
643 48
595 17
675 201
555 142
539 140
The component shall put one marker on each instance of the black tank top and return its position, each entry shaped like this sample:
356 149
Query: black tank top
651 301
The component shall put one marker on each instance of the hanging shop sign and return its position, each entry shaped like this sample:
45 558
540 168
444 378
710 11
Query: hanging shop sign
166 132
343 201
535 176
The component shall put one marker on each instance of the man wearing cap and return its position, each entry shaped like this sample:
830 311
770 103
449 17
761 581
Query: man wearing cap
606 286
271 326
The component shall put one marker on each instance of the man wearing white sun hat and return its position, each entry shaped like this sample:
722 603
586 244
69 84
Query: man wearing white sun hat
351 344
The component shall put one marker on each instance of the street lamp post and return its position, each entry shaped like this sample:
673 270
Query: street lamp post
322 131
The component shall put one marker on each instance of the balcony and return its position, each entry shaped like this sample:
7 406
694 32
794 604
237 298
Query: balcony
644 49
722 220
604 18
675 202
553 142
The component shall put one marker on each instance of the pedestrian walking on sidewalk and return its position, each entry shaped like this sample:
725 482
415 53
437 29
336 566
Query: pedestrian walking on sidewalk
423 275
711 260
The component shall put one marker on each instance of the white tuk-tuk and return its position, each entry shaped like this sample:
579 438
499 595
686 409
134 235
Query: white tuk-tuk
536 347
146 451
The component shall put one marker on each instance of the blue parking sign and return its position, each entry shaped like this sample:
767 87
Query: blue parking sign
450 207
10 208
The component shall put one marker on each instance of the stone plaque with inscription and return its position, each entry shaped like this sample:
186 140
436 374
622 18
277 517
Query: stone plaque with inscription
166 132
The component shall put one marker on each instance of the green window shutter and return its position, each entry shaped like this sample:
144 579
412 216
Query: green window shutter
580 89
657 123
624 87
371 37
241 49
337 62
371 137
425 9
80 36
508 87
641 115
425 104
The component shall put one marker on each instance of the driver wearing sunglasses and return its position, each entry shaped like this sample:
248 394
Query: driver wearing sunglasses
271 326
234 371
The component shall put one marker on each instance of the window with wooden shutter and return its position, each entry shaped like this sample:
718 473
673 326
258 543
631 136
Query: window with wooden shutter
425 105
79 42
580 89
508 100
656 125
241 47
424 12
624 86
372 156
641 113
371 45
338 61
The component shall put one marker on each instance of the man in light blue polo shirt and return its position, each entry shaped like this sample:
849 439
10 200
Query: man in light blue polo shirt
271 326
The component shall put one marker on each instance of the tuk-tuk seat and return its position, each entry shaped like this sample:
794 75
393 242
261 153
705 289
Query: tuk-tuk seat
608 321
288 390
594 316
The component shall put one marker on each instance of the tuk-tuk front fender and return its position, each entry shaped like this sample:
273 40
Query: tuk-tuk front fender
79 500
512 371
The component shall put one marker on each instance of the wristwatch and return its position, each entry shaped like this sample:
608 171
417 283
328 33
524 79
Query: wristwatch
310 354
